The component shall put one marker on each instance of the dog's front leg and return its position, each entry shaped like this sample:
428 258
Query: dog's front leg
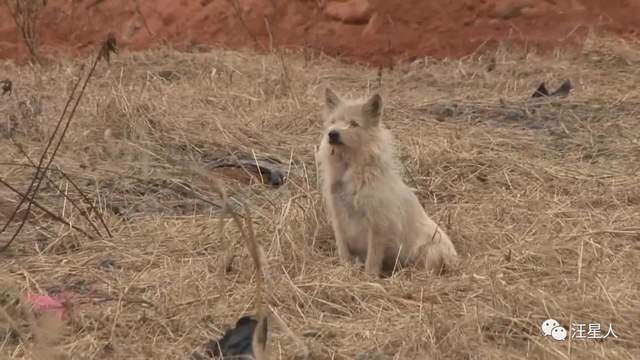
375 254
343 249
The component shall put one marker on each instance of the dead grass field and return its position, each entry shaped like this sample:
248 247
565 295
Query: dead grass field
542 201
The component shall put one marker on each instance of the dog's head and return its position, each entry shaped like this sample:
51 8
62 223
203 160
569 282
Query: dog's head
351 124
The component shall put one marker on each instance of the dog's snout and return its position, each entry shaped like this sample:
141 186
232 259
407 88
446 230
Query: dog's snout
334 137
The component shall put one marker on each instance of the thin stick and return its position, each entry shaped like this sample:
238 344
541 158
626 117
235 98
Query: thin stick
144 18
84 212
44 153
20 28
105 50
48 212
236 8
249 236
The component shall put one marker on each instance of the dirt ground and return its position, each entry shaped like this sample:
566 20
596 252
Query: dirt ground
373 31
540 197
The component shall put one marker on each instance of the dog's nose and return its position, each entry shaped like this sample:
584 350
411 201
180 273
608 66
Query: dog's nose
334 136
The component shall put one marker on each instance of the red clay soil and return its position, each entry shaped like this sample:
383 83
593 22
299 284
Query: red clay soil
374 31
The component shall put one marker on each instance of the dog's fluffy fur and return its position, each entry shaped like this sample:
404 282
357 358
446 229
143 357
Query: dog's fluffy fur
375 216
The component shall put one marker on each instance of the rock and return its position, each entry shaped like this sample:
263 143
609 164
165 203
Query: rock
351 11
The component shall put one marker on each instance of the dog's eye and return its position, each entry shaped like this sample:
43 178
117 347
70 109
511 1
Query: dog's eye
353 124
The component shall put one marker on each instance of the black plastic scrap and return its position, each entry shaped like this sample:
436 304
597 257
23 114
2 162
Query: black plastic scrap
272 170
236 343
562 91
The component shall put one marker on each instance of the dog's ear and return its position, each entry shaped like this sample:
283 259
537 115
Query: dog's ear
331 100
372 109
259 341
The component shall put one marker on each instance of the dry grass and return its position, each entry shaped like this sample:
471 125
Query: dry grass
545 214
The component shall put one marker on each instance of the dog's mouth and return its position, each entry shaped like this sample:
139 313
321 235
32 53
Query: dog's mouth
334 144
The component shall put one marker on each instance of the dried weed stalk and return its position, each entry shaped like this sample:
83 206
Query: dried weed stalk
257 254
24 14
237 8
274 46
86 214
106 49
246 232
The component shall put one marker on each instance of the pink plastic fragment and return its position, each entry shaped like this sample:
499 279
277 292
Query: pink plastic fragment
46 303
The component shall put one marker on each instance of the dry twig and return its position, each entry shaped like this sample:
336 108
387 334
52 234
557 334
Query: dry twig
106 49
